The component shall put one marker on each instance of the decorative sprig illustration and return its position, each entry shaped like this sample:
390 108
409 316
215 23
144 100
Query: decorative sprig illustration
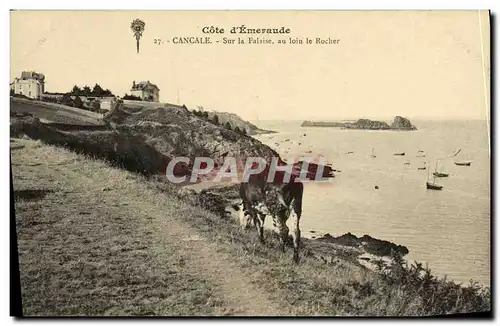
137 27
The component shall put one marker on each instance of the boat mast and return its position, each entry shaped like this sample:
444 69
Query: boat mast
428 173
435 172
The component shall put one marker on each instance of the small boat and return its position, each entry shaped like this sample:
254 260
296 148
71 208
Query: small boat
463 163
400 154
422 167
407 163
373 153
437 174
433 185
349 152
420 155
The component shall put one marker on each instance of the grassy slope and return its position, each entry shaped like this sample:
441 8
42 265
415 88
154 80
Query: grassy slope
106 241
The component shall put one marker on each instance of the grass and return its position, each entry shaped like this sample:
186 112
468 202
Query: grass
82 255
98 240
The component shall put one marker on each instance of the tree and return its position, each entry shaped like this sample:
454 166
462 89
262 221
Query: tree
228 126
107 92
78 103
76 91
205 114
237 129
97 90
244 131
86 91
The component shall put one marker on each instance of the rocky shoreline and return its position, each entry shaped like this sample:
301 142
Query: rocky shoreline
145 141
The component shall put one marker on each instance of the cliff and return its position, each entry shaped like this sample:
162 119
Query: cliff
145 140
399 123
236 121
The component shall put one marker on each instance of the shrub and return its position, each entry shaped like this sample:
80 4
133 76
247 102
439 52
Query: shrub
78 103
132 97
215 120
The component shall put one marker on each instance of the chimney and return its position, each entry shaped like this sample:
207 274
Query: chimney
133 83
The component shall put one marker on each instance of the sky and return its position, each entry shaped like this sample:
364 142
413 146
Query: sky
427 64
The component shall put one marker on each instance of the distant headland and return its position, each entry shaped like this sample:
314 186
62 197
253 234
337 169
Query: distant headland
399 123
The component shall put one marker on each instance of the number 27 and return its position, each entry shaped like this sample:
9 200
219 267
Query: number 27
158 41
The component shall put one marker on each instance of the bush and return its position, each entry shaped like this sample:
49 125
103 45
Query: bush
78 103
132 97
215 120
66 100
96 105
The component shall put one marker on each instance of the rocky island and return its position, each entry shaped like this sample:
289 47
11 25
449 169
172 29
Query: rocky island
399 123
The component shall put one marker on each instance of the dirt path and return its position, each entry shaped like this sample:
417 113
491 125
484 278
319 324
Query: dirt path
108 193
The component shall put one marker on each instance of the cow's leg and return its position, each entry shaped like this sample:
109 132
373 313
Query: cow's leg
245 216
295 217
260 226
283 232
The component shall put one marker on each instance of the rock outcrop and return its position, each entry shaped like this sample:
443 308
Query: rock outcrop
367 243
399 123
236 121
368 124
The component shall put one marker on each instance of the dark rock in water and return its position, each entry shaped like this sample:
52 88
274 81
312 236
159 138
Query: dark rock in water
371 245
376 187
399 123
382 247
402 124
347 239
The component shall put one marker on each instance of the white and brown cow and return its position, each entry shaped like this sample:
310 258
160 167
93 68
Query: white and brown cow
280 200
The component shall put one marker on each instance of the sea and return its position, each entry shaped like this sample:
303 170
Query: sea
447 229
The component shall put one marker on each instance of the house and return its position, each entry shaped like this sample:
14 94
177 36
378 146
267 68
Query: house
31 84
146 91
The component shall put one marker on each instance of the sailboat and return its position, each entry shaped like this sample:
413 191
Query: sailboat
439 174
462 163
373 153
422 167
432 185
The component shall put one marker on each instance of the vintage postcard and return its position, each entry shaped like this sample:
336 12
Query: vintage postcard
250 163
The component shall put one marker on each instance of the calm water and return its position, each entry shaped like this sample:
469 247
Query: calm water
448 229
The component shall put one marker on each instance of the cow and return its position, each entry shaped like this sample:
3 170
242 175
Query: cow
281 201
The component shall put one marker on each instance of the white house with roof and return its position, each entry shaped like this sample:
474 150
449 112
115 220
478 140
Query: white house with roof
31 84
146 90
